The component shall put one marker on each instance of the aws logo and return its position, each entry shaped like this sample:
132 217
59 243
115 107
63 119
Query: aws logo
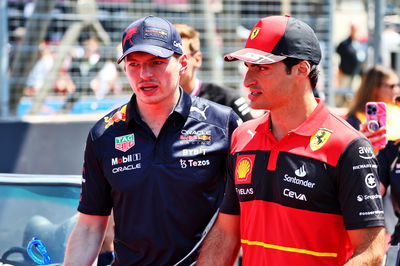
244 168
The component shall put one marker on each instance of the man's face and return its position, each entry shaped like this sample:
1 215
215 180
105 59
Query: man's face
269 86
388 90
154 79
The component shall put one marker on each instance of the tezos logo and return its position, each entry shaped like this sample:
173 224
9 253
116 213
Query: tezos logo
193 163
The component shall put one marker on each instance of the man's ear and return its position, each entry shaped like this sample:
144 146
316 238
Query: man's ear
183 62
198 57
303 69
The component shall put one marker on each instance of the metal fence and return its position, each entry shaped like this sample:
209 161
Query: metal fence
61 54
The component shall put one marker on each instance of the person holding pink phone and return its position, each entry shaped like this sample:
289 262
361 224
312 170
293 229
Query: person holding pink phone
381 84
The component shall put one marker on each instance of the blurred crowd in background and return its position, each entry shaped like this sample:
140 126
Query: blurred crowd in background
69 65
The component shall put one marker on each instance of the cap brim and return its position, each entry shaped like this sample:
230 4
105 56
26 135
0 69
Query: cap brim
254 56
151 49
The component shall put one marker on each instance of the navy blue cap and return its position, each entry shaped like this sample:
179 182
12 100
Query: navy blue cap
153 35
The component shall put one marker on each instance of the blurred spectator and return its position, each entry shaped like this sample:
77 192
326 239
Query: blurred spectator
39 73
352 52
192 85
390 44
85 70
106 81
382 84
389 166
15 40
40 70
379 84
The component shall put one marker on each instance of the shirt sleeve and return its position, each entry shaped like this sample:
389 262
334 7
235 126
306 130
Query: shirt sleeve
386 158
95 194
358 186
230 203
234 122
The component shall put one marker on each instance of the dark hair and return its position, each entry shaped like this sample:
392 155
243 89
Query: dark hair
371 80
290 62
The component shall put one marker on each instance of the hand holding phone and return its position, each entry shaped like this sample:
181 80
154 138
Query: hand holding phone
376 118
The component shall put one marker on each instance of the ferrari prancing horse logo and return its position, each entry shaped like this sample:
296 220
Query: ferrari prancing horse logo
254 33
320 138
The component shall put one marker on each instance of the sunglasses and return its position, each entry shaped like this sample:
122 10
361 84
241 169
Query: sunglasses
391 86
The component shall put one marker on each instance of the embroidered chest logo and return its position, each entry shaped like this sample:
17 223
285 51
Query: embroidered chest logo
198 110
124 143
320 138
244 169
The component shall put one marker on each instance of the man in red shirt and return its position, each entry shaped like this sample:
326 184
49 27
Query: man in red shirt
302 184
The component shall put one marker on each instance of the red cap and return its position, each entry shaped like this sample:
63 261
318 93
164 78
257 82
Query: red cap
275 38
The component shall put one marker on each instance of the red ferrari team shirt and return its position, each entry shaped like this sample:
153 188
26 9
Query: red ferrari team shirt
297 197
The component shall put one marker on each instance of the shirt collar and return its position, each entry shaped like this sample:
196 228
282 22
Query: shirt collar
308 128
181 109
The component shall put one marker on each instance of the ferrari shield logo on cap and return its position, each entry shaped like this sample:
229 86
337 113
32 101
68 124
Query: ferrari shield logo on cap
124 143
320 138
254 33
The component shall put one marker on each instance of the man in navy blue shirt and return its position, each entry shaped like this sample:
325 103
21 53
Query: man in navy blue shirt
157 162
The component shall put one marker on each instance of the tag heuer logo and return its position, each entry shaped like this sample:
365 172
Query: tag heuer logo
124 143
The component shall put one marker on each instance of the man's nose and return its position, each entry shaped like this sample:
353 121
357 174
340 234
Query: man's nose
145 71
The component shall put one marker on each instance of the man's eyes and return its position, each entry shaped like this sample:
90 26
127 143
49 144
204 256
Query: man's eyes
155 62
262 67
255 66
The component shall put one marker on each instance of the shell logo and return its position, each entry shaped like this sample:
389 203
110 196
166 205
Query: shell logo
244 165
243 168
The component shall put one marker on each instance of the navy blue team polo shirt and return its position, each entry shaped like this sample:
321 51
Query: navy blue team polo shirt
163 190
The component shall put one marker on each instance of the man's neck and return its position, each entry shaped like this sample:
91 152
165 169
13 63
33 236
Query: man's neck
289 117
155 115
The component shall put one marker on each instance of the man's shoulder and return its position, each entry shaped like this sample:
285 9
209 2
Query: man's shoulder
205 110
340 124
341 133
108 122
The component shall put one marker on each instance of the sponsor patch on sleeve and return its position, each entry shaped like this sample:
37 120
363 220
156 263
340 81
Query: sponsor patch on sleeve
244 168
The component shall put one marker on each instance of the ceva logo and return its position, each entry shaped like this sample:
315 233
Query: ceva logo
292 194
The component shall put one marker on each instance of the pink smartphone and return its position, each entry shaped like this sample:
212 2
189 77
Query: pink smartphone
376 117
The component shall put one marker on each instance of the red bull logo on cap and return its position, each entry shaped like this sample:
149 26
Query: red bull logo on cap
129 34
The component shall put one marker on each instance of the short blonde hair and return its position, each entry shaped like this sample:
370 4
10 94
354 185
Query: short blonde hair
191 34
